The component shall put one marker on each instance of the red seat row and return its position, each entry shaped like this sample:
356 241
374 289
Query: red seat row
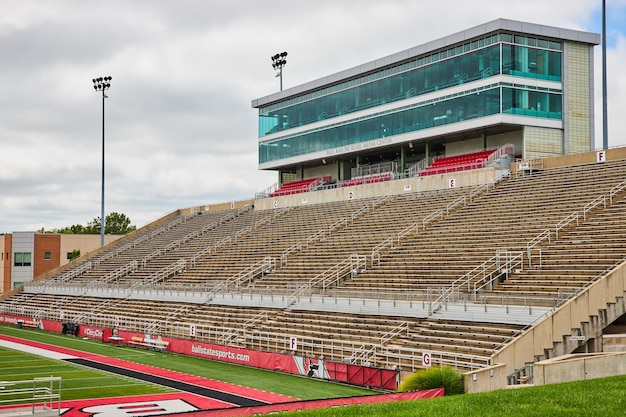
298 186
457 163
367 180
460 159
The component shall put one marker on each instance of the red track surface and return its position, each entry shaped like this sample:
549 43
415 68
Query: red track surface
185 402
195 402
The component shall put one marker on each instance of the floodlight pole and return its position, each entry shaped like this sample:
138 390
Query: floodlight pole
605 123
102 84
278 62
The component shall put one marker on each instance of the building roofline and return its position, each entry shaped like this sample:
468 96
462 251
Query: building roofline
474 32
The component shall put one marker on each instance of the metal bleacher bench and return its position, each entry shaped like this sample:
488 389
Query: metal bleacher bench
137 341
161 345
28 324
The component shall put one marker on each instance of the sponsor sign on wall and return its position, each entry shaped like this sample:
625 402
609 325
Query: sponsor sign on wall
297 365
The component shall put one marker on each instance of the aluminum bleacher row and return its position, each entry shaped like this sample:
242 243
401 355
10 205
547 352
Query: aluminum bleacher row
222 250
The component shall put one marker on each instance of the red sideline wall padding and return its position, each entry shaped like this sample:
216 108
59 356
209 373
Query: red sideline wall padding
353 374
51 326
94 332
230 354
361 375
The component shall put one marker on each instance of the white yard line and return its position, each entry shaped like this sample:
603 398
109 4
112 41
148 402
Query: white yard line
35 350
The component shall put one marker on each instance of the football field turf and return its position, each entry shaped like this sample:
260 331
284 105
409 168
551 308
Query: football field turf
287 385
78 381
96 380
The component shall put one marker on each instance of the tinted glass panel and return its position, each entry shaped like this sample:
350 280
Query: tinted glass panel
460 69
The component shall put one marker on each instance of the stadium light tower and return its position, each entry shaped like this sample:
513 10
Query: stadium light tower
605 123
102 84
278 62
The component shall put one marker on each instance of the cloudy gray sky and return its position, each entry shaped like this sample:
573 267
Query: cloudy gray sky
180 131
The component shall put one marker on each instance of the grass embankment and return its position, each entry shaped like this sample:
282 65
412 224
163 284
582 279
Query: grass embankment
594 398
600 397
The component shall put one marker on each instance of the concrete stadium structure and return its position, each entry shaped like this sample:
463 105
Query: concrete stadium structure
500 82
491 276
402 252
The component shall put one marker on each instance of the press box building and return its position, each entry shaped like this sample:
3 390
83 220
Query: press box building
501 82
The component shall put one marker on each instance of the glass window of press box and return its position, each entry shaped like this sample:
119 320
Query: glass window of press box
478 102
515 55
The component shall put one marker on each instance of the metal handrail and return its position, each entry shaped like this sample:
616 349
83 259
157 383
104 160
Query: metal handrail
407 231
535 241
595 203
513 259
615 190
431 217
351 265
455 203
387 243
565 222
164 273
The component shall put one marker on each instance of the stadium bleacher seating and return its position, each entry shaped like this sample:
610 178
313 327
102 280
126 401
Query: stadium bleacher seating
499 221
305 241
463 162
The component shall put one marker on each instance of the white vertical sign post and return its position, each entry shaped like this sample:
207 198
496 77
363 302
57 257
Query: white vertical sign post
426 359
192 330
293 343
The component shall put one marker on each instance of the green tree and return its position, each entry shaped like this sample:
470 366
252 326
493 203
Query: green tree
77 229
93 227
115 224
118 224
74 229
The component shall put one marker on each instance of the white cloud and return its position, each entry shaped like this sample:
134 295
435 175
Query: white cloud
179 127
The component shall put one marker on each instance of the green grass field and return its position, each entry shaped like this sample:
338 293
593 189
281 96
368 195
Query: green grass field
601 397
78 382
293 386
594 398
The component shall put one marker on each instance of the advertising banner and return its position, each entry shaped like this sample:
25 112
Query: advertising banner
297 365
